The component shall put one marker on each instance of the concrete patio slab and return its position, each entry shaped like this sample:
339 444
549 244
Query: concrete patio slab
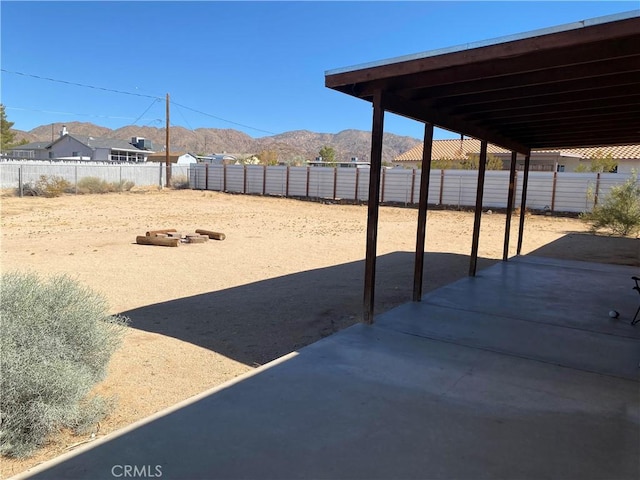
422 394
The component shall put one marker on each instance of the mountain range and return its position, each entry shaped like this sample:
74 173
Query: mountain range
297 145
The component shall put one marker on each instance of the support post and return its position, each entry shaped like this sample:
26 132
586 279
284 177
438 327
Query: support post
595 198
425 174
523 202
335 182
510 201
441 186
554 183
482 166
166 157
20 182
206 176
373 206
308 174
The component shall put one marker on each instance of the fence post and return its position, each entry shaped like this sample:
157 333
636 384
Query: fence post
160 179
441 186
119 173
357 182
413 183
76 177
224 177
206 176
264 180
20 185
595 198
335 181
384 175
287 183
244 179
308 173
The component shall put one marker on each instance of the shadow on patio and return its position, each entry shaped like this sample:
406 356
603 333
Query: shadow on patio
593 248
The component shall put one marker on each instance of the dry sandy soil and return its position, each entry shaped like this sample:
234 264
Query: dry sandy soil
289 273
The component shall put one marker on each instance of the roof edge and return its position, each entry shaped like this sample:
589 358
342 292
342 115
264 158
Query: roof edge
489 42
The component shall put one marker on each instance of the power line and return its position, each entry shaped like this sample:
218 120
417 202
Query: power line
224 120
78 84
136 95
148 108
67 113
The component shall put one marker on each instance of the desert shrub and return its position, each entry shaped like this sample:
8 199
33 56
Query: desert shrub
46 186
180 182
98 185
620 210
92 185
123 186
57 339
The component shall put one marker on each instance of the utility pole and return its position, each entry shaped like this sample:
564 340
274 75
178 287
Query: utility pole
167 161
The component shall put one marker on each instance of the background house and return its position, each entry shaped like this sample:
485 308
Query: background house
71 147
627 157
30 151
219 159
179 158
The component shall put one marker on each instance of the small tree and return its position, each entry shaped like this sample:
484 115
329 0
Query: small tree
328 154
442 163
620 210
473 162
599 163
6 135
268 157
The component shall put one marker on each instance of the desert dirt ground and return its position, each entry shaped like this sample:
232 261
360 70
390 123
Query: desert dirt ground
288 273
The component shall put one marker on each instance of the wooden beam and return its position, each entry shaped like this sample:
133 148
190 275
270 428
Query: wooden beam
523 202
419 112
482 166
510 202
422 211
373 207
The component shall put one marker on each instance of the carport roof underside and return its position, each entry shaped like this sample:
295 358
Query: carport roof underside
567 86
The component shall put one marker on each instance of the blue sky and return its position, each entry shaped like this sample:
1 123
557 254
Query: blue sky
253 66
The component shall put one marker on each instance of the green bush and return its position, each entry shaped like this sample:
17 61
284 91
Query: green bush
47 186
57 340
620 210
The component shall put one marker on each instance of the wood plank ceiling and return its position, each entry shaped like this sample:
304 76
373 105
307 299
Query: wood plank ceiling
573 87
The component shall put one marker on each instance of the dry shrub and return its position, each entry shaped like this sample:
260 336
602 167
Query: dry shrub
57 340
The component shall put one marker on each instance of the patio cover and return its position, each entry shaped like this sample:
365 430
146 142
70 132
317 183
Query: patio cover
574 85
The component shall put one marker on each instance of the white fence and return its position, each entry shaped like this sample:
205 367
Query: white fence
560 192
145 174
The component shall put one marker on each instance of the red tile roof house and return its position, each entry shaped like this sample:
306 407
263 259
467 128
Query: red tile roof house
557 160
